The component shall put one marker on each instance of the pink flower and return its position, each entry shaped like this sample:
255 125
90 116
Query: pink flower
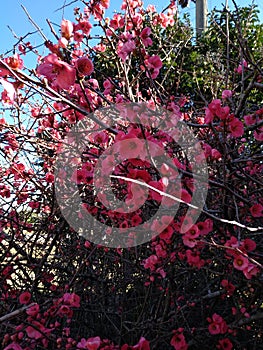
250 119
193 232
249 245
178 340
193 259
108 86
236 128
154 64
240 262
146 32
189 242
257 210
217 325
84 66
49 177
66 29
250 271
224 344
57 71
90 344
227 94
9 93
150 262
14 62
33 310
130 147
83 25
64 310
36 331
258 134
229 287
142 345
125 49
24 298
71 299
241 67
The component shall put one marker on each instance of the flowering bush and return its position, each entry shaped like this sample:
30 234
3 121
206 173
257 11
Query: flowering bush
199 287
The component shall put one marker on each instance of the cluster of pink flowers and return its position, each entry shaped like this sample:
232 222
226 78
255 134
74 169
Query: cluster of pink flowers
178 341
240 252
217 325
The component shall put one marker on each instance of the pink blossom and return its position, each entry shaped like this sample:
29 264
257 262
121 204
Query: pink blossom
150 262
65 310
142 345
217 325
71 299
193 259
250 119
250 271
240 262
193 232
37 331
108 86
56 70
229 287
241 67
236 128
14 62
248 245
130 147
189 242
154 64
257 210
66 29
205 227
63 42
224 344
24 298
178 340
90 344
84 25
50 177
84 66
227 94
115 22
258 134
145 36
125 49
33 310
9 93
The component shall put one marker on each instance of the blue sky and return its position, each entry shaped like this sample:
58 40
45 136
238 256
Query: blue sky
13 15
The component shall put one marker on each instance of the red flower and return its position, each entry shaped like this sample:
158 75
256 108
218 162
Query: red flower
84 66
257 210
224 344
236 128
178 340
24 298
217 325
71 299
33 310
154 64
90 344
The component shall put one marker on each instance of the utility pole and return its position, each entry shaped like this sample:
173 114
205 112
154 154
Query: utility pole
201 16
